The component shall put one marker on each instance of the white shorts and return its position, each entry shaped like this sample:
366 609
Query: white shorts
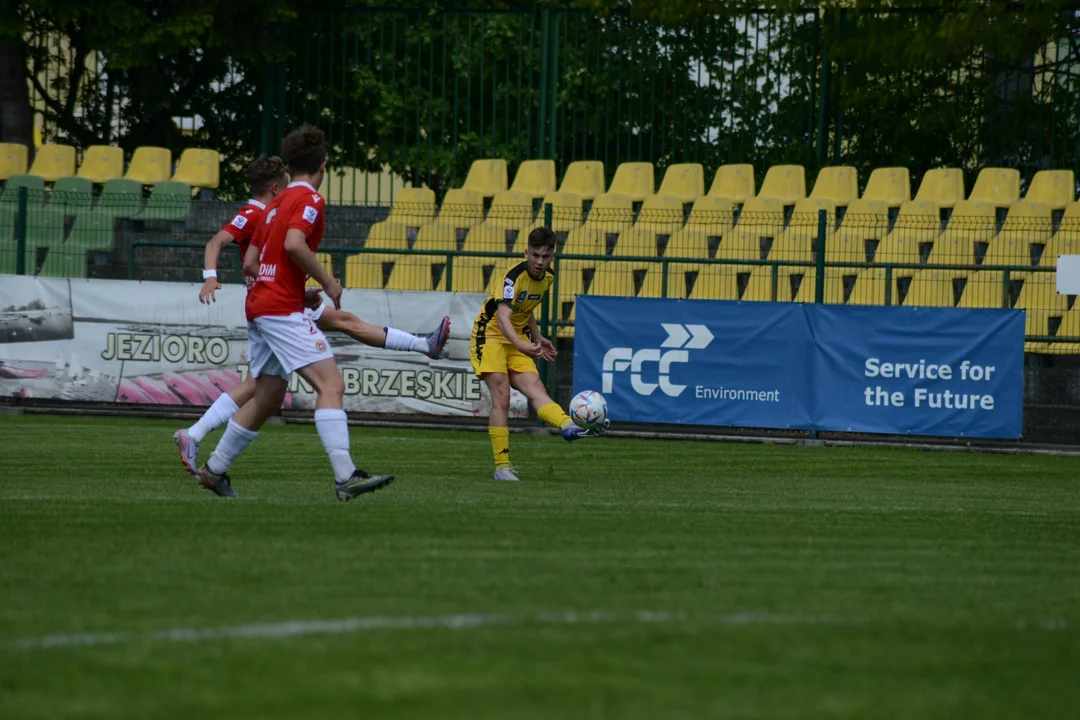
282 344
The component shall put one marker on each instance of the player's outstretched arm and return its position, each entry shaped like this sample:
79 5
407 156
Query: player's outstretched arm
296 246
210 261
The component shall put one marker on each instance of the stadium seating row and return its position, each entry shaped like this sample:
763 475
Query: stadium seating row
149 165
785 183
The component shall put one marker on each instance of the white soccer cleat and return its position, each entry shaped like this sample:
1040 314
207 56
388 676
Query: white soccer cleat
507 473
189 450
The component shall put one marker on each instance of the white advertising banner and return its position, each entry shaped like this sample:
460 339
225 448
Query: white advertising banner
147 342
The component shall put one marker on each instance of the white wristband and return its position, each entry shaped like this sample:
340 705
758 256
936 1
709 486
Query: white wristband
207 274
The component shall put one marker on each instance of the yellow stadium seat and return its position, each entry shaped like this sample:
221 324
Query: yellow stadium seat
150 165
716 282
984 289
786 183
412 209
711 219
799 240
1066 241
611 214
13 159
863 228
652 281
944 186
327 261
734 182
685 181
839 184
487 177
634 180
584 178
199 167
917 224
890 185
1055 188
1069 329
570 281
1040 293
509 218
660 215
870 288
102 163
933 288
535 178
460 210
368 270
1024 235
760 223
565 210
807 286
636 241
971 222
470 274
415 272
615 279
680 276
53 162
998 186
763 284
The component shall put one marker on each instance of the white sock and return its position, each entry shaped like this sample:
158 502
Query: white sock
401 340
235 441
333 429
218 414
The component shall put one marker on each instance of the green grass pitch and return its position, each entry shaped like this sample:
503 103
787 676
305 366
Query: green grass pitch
621 579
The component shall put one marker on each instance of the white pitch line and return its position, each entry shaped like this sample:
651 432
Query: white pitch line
342 626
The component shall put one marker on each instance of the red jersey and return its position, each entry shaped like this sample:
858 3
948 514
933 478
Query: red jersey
242 228
279 289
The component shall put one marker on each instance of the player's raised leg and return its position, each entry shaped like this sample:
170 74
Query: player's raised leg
333 427
549 411
187 441
390 338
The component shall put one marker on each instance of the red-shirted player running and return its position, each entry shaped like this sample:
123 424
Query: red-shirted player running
281 338
267 177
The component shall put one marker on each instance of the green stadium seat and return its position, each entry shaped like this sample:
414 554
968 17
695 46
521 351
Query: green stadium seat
150 165
199 167
786 183
734 182
169 200
890 185
13 159
838 184
584 178
35 190
1054 188
535 178
73 194
942 186
998 186
486 177
52 162
121 198
635 180
102 163
685 181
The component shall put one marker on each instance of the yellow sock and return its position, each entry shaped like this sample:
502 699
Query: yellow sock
500 445
554 416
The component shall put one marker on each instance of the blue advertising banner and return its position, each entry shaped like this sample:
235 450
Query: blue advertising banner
920 371
695 362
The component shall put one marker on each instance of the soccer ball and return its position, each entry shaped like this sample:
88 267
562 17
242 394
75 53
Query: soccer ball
588 409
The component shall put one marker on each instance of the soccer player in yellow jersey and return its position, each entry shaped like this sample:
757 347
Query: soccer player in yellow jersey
505 342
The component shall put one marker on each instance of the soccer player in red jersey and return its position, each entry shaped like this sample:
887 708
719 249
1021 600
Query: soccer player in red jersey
267 176
281 338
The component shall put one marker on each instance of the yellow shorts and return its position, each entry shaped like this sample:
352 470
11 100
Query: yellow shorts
496 357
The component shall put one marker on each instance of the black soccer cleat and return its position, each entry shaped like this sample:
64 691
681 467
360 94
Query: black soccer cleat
361 482
220 485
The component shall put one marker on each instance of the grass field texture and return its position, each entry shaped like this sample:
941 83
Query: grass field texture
621 579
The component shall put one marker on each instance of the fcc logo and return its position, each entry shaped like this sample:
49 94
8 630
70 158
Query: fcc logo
681 339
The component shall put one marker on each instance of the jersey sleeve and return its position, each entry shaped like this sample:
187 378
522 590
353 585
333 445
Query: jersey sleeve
241 227
307 215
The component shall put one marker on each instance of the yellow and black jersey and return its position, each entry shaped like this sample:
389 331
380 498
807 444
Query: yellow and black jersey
522 292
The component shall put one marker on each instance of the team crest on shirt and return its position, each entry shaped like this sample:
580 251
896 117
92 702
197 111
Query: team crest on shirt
320 345
310 214
521 296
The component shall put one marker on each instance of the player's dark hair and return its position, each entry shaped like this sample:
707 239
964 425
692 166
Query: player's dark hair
542 237
304 150
264 171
